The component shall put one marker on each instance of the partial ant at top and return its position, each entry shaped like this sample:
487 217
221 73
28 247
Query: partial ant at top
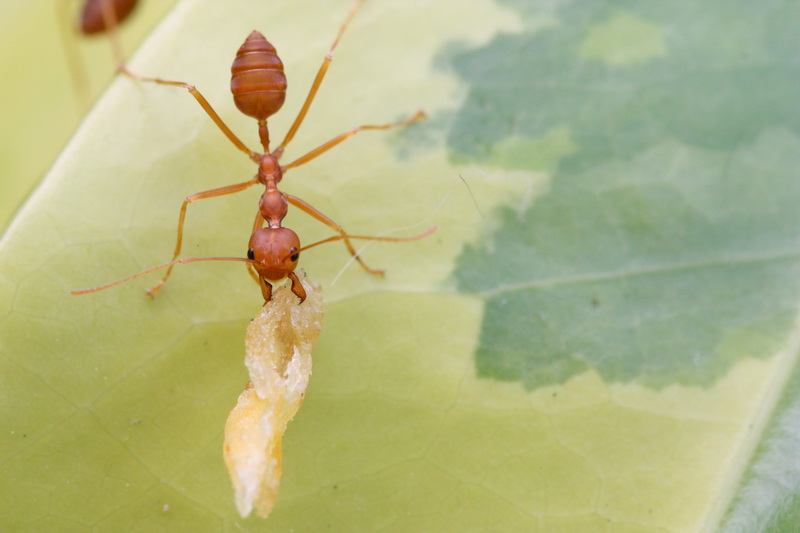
258 84
96 18
101 16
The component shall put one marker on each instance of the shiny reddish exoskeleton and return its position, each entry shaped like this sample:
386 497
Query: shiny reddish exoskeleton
93 19
258 84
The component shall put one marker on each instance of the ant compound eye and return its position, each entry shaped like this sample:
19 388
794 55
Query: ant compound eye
295 256
251 254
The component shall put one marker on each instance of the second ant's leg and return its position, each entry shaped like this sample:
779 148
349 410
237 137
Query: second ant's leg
112 27
255 156
75 63
319 150
230 189
311 210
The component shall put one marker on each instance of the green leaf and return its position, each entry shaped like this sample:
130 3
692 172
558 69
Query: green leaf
600 337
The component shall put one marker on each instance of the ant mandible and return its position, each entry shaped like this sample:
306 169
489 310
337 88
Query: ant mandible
258 84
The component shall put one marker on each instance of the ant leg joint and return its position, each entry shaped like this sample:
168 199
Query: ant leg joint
152 291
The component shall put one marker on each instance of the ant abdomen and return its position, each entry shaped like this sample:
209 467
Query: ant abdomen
258 83
92 19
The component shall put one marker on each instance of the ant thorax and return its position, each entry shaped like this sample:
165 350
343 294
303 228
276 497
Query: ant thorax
269 169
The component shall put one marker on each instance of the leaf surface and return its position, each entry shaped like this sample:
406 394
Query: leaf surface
600 337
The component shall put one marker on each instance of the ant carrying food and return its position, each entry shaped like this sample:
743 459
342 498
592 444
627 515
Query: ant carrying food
258 84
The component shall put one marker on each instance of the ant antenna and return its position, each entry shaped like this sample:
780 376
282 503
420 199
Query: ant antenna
159 267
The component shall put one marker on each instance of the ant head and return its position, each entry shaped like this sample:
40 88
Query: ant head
276 252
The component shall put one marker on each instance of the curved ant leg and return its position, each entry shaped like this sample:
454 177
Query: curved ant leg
314 212
319 150
255 156
221 191
317 82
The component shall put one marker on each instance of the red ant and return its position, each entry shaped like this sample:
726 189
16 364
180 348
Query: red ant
258 85
99 16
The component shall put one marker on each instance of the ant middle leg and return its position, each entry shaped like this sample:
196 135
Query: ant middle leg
319 215
221 191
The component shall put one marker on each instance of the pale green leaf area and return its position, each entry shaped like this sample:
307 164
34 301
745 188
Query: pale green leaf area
43 99
662 261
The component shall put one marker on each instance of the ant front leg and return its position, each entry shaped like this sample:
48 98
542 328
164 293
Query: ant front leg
230 189
314 212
